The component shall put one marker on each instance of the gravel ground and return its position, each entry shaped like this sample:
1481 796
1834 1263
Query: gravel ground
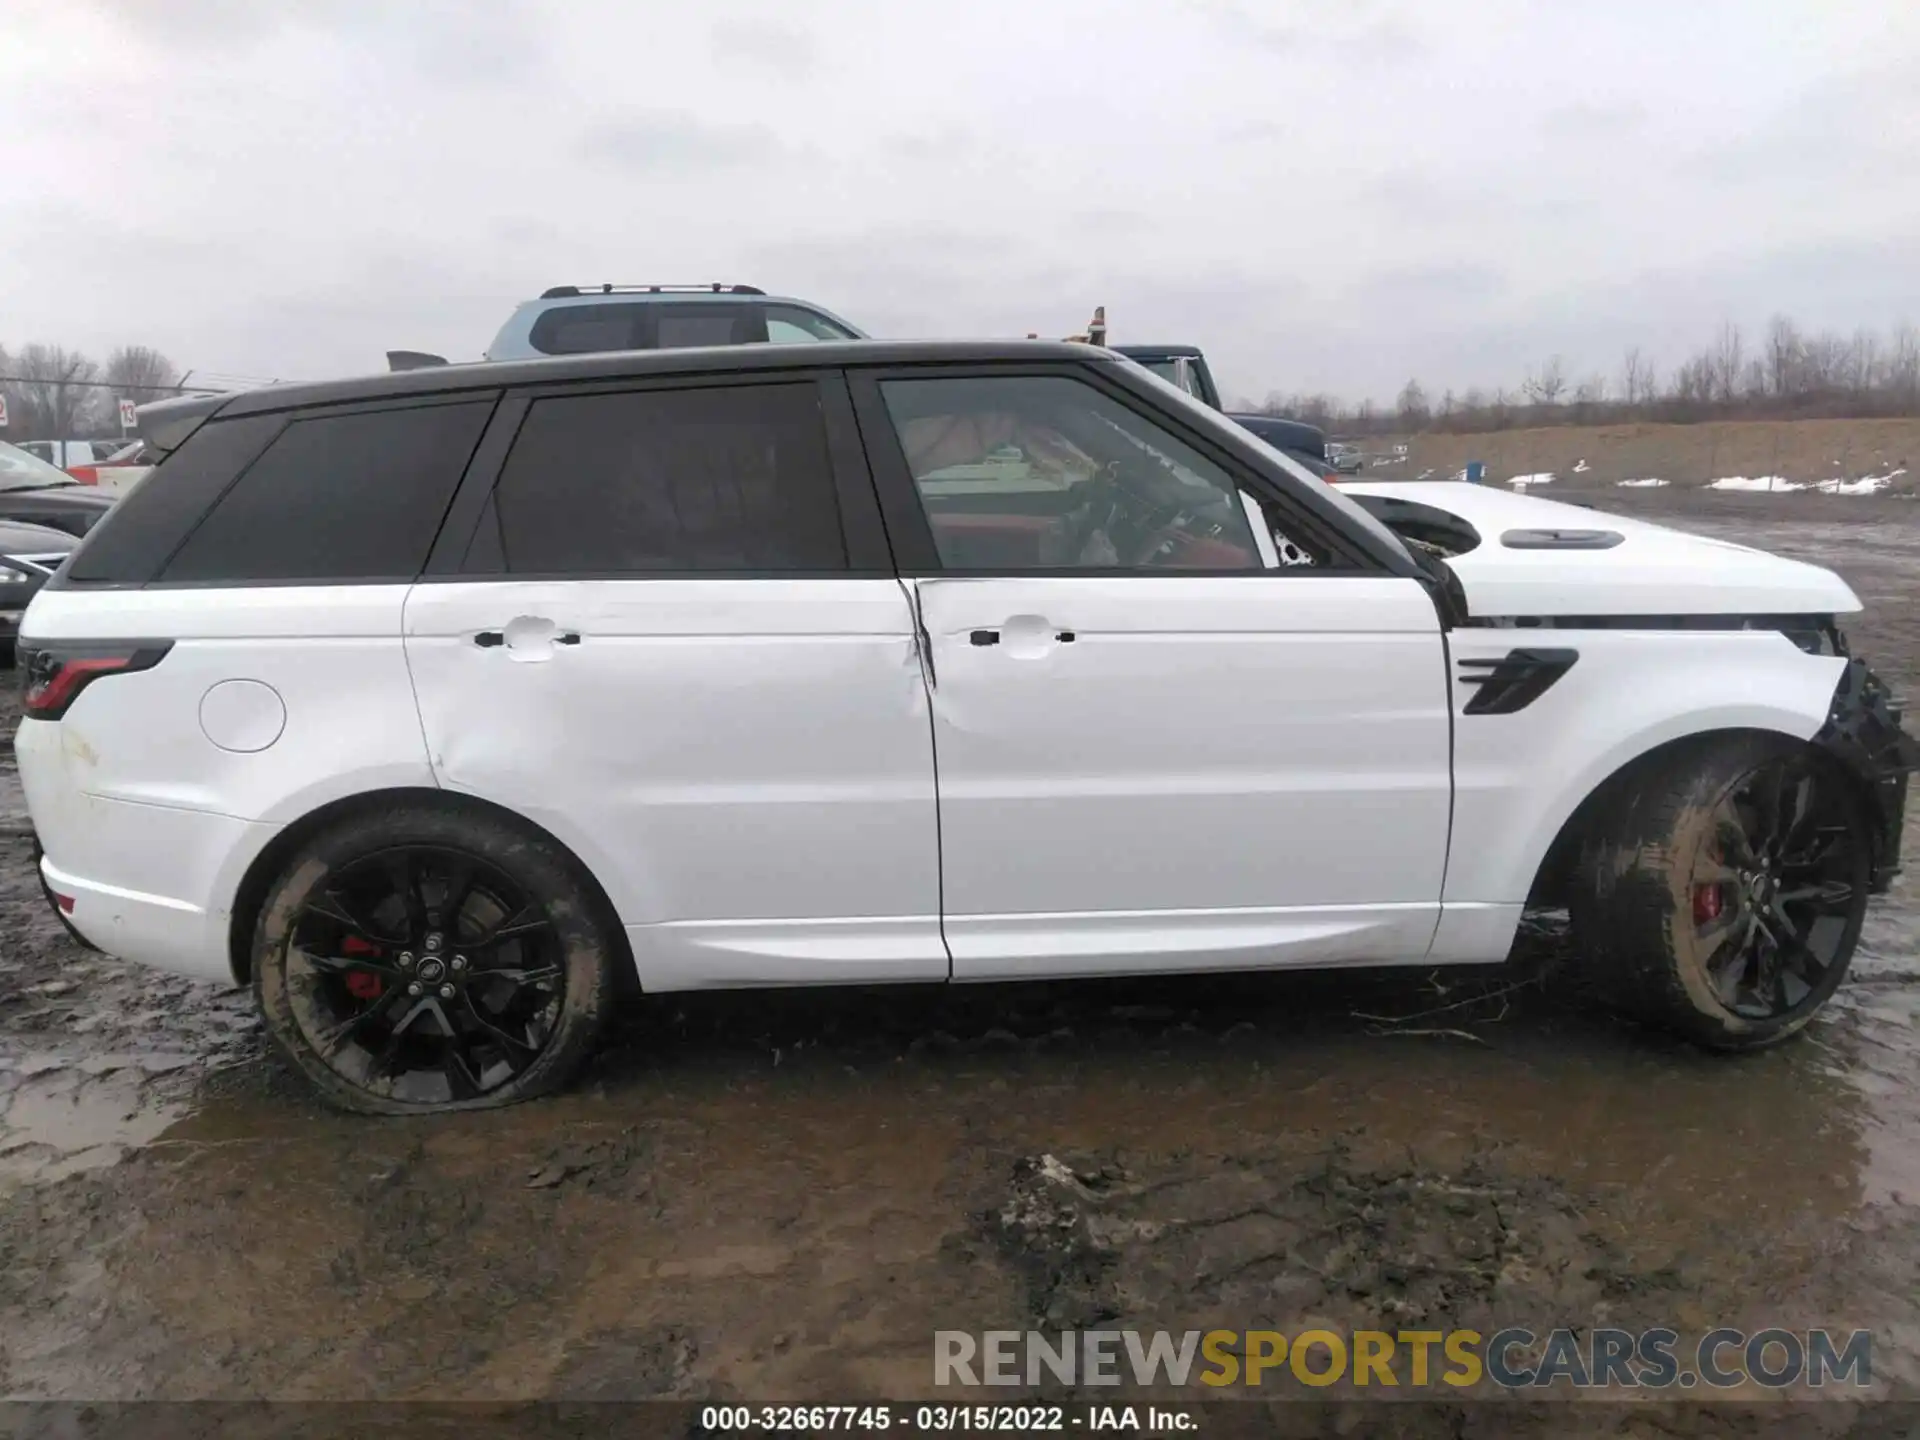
784 1196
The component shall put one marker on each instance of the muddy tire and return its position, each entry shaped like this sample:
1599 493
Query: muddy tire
415 960
1721 894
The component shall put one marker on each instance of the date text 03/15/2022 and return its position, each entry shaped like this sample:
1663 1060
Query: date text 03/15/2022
944 1419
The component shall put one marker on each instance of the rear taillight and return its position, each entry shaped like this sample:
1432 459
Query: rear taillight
53 675
85 474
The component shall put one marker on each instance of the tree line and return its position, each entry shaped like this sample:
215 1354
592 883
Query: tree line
1785 374
54 393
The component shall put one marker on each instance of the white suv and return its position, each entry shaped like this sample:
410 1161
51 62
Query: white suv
434 705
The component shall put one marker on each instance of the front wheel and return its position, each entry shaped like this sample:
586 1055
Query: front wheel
417 959
1723 896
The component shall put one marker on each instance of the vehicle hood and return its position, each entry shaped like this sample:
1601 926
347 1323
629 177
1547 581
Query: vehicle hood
19 538
72 508
1515 569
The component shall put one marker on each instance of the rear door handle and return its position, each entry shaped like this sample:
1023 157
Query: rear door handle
488 639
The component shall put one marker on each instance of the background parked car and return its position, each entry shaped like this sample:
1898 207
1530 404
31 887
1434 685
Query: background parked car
28 554
120 471
34 491
577 320
1344 458
1296 439
64 454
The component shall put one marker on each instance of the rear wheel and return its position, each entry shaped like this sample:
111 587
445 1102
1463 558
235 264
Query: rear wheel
418 960
1723 895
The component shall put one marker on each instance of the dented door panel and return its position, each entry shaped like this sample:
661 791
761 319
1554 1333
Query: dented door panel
745 765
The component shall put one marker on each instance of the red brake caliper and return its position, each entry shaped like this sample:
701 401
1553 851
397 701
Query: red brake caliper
1707 902
362 984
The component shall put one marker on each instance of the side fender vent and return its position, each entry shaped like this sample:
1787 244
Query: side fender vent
1515 680
1562 539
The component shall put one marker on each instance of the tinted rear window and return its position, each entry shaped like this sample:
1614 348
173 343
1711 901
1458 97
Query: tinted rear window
130 545
354 497
645 325
725 478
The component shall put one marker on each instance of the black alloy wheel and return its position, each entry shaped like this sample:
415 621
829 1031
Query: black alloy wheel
1778 893
426 971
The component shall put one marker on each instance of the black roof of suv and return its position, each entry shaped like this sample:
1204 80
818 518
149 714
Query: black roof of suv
167 423
366 469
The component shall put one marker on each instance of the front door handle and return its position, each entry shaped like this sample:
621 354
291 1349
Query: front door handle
1024 635
527 635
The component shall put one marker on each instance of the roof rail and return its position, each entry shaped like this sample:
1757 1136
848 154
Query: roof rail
571 292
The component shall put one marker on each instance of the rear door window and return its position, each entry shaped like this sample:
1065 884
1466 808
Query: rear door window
336 497
681 326
733 479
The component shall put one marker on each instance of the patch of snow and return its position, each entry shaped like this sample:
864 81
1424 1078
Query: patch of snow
1771 484
1522 482
1427 474
1580 467
1647 484
1865 485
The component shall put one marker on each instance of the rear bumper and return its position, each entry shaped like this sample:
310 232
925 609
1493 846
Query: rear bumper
151 884
154 930
1864 732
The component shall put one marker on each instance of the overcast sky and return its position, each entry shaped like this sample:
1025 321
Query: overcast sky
1325 194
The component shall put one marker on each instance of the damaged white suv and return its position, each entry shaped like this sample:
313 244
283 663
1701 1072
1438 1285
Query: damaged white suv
435 705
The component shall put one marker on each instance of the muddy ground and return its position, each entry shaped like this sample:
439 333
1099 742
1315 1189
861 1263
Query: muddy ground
784 1196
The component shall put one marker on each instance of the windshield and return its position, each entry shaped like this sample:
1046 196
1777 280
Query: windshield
1215 423
21 471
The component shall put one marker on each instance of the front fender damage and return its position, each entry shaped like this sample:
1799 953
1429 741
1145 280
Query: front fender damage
1863 733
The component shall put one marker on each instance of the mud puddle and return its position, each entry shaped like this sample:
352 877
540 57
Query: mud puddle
784 1196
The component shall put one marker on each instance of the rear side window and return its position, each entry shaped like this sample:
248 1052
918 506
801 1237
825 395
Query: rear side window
727 478
133 542
355 497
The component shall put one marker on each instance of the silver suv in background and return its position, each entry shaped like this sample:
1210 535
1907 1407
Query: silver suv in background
577 320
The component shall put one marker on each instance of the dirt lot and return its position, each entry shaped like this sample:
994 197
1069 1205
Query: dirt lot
784 1196
1802 451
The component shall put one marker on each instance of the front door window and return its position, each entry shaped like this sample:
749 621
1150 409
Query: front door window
1047 473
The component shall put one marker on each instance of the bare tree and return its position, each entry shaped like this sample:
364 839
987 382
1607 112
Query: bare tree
1903 369
1864 363
139 372
1413 408
1546 385
1728 357
1588 396
1637 380
1783 356
54 392
1693 382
